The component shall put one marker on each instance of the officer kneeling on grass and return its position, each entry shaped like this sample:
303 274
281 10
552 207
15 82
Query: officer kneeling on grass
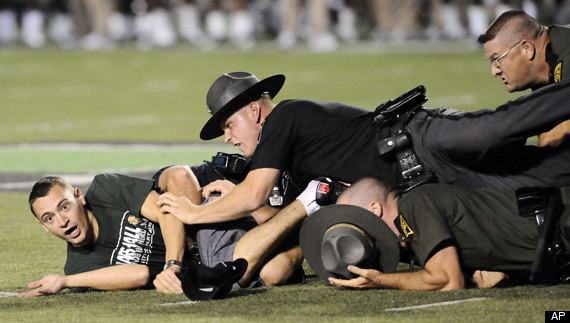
451 231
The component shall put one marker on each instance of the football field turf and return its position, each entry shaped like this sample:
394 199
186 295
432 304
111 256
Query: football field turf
82 113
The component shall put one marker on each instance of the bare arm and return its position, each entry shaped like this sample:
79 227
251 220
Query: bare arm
246 197
556 136
174 239
120 277
224 186
442 272
264 213
172 229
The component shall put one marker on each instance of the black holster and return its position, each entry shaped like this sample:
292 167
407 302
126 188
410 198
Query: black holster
393 141
545 206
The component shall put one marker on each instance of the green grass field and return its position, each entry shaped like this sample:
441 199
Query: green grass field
158 97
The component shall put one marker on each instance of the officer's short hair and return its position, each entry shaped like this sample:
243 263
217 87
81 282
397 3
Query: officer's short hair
526 25
366 190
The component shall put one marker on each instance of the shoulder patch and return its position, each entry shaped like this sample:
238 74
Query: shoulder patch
558 72
404 227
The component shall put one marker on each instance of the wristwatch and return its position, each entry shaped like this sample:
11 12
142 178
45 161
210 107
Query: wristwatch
172 262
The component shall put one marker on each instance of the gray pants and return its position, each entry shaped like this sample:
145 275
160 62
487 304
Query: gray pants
216 242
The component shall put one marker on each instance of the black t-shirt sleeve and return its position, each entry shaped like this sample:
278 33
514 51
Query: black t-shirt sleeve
276 139
424 217
115 190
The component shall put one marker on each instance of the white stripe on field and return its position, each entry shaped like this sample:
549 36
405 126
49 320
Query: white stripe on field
81 124
73 179
397 309
16 186
7 294
179 303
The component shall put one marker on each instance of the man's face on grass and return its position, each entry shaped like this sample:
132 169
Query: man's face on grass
62 212
241 129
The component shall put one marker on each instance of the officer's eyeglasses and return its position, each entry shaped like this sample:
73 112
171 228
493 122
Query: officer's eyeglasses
497 61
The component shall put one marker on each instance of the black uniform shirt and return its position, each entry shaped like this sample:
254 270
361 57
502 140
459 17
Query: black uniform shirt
313 138
558 53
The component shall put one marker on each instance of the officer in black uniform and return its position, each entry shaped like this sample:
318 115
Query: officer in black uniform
528 55
311 139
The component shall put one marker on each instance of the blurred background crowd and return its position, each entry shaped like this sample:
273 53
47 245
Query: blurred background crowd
321 25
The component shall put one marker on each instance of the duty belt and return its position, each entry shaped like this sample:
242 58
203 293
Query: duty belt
394 143
545 206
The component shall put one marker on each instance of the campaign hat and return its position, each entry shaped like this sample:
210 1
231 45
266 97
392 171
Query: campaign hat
201 282
336 236
232 91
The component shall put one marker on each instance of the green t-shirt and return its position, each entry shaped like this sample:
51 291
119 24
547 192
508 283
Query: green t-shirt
483 224
125 237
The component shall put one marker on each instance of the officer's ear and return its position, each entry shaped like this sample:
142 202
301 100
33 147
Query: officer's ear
529 50
376 208
254 112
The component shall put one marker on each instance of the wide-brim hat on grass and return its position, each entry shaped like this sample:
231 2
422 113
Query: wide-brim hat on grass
336 236
232 91
201 282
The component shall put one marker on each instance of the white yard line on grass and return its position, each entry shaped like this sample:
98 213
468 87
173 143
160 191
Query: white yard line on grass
179 303
17 186
78 125
397 309
73 179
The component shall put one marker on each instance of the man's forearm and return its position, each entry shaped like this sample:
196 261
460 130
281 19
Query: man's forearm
119 277
417 280
511 123
172 229
264 213
174 237
442 272
245 198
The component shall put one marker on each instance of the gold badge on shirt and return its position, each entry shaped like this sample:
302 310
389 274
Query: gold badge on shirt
406 230
558 72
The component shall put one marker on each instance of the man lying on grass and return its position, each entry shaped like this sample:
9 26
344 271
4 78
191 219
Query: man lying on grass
453 232
118 239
